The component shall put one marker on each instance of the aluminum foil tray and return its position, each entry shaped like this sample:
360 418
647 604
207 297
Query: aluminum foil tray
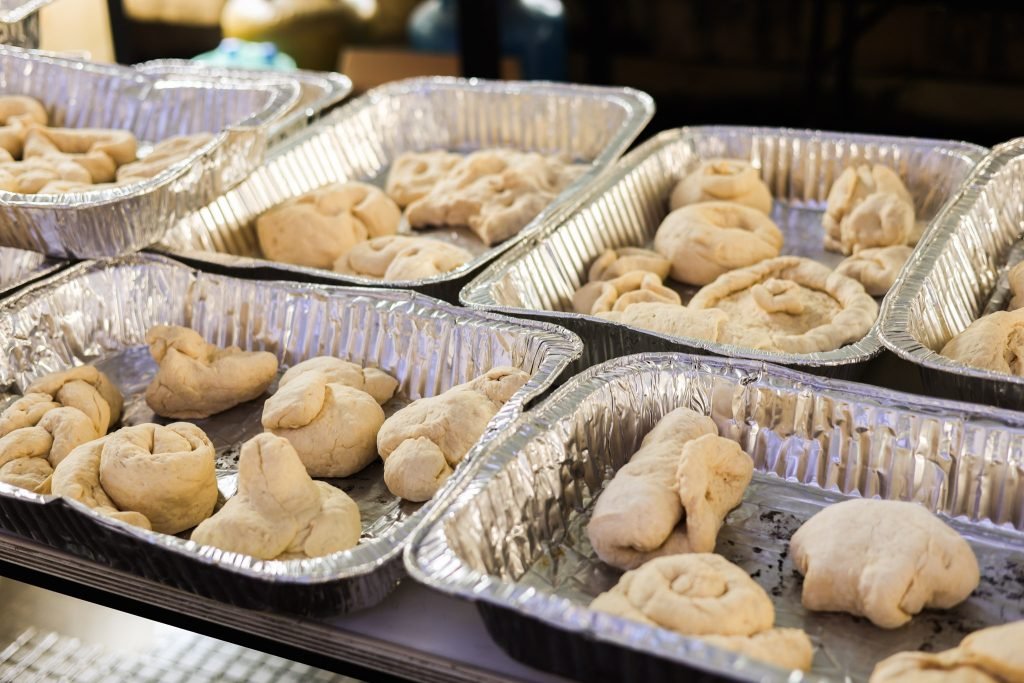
18 268
19 22
960 274
360 140
537 279
319 91
114 221
514 539
99 312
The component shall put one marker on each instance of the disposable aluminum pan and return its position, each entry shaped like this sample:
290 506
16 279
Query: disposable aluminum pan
514 539
121 219
19 22
625 208
960 274
360 140
319 91
98 312
18 268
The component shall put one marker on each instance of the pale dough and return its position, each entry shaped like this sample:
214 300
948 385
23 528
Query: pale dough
26 411
163 156
397 257
601 296
884 560
992 342
786 648
278 511
196 379
17 114
876 269
377 383
98 151
77 478
671 319
705 240
317 228
32 175
613 263
728 180
86 388
991 655
698 594
1016 280
414 174
888 218
422 443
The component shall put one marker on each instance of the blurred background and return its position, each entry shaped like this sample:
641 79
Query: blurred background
938 69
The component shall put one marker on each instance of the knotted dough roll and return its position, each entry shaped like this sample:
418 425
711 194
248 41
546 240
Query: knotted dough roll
17 115
196 379
876 269
867 206
614 263
98 151
705 240
725 180
602 296
423 442
414 174
163 156
86 388
397 257
278 512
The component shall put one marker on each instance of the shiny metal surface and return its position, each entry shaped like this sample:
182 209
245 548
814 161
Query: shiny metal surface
960 274
19 267
99 313
318 90
514 537
121 219
19 22
626 207
359 141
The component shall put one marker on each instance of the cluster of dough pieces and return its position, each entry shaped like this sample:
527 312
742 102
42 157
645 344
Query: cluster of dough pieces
37 159
324 420
352 227
719 236
659 517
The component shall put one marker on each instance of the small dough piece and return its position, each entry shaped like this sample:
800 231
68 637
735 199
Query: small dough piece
86 388
57 433
331 426
786 648
495 193
17 114
853 186
278 510
32 175
616 262
167 474
397 257
992 342
876 269
163 156
196 379
883 219
98 151
678 321
422 443
713 473
317 228
925 667
789 304
1016 279
77 477
414 174
997 650
708 239
377 383
699 594
26 411
634 287
727 180
884 560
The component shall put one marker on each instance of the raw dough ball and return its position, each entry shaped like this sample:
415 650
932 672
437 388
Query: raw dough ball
196 379
876 269
992 342
699 594
728 180
884 560
414 174
396 257
883 219
1016 279
926 667
678 321
77 478
423 442
616 262
989 655
86 388
331 426
377 383
638 286
683 471
164 155
708 239
99 151
167 474
278 510
789 304
495 193
17 114
786 648
317 228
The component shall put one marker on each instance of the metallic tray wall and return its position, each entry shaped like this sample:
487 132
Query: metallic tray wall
19 22
538 278
360 140
19 267
99 312
962 275
514 538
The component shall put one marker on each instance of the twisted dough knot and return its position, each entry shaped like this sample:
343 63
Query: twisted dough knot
17 114
867 206
614 263
414 174
98 151
778 296
728 180
616 295
39 173
278 511
164 155
196 379
396 257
